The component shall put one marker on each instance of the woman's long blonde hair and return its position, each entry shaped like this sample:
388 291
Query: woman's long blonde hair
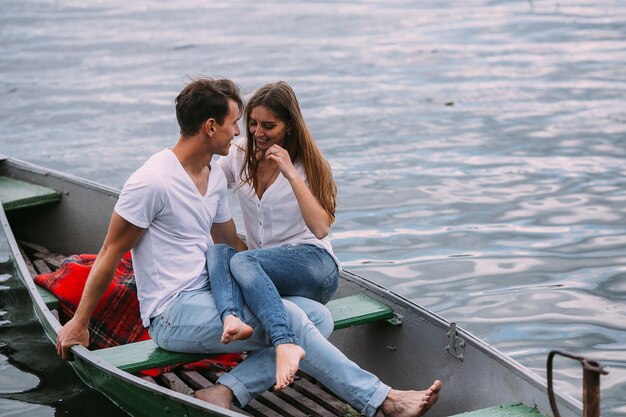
281 100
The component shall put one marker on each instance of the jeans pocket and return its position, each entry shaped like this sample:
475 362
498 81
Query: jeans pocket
156 325
330 286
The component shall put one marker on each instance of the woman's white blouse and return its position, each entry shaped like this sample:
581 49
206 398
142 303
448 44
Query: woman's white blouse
275 219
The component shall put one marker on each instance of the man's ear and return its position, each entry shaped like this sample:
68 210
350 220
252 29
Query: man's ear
209 126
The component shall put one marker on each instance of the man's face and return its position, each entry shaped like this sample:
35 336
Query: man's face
225 133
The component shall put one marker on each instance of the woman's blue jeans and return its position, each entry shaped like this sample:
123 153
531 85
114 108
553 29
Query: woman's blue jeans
259 277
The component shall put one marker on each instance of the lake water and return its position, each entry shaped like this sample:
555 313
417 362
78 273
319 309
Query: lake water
479 148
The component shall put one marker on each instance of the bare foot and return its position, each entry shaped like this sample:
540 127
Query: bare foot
288 357
410 403
219 395
235 329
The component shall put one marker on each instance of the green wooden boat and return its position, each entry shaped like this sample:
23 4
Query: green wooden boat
50 214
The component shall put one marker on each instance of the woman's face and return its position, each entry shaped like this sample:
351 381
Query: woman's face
266 128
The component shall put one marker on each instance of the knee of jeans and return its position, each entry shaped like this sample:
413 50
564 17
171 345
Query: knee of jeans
240 263
218 252
323 320
218 248
295 315
242 257
303 311
213 251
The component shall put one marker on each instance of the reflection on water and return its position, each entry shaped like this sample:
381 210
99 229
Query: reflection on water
33 380
479 147
12 380
18 408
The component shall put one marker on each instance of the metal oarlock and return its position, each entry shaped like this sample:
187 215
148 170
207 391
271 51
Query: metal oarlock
591 384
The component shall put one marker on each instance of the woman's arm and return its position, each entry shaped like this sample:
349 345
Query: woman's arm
316 218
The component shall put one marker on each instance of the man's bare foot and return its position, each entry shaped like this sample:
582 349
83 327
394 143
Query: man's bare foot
219 395
235 329
288 357
410 403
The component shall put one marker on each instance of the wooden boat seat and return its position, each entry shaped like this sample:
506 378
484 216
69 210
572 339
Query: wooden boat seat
510 410
358 309
16 194
133 357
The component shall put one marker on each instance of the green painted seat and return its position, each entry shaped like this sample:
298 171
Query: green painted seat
134 357
16 194
138 356
510 410
51 301
357 309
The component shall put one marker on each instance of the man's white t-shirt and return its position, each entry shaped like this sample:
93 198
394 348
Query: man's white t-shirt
276 218
170 257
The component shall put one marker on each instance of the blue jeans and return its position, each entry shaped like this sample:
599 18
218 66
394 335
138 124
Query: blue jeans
191 323
258 277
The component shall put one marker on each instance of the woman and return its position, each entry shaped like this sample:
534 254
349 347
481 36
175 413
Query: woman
287 196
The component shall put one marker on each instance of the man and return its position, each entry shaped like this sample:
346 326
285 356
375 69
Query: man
169 212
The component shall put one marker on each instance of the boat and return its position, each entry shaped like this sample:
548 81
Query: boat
53 214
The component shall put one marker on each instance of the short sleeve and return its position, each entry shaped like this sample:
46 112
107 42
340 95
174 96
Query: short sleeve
231 164
222 213
141 199
226 163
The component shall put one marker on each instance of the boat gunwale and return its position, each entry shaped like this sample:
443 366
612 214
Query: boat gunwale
81 353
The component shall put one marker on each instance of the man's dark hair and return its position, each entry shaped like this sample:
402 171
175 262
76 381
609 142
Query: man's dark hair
203 99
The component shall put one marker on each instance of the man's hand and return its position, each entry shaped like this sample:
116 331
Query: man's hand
73 333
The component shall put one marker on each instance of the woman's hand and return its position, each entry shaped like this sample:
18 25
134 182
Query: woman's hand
282 159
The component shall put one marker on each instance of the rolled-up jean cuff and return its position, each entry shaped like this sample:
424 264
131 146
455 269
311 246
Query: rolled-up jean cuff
239 390
233 312
286 340
372 406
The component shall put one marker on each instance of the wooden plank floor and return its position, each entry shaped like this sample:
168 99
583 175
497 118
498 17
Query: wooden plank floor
303 398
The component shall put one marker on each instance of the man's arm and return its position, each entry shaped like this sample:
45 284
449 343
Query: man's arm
121 237
227 233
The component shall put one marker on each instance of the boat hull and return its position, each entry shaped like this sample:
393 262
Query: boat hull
409 355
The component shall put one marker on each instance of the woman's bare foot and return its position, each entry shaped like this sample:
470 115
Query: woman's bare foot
288 357
235 329
219 395
410 403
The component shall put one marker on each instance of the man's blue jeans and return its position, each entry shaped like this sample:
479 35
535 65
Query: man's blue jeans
191 323
258 278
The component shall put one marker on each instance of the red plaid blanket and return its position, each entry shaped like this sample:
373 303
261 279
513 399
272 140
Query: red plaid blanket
116 319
